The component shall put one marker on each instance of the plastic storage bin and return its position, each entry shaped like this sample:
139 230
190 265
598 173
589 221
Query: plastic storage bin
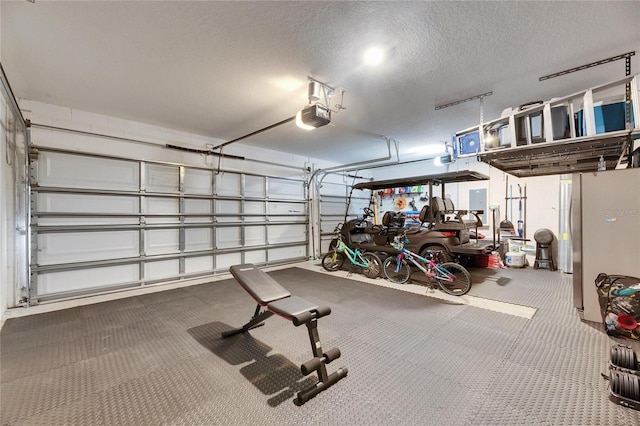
560 122
469 143
497 136
608 118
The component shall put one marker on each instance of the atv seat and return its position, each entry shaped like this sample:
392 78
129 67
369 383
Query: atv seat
423 217
393 222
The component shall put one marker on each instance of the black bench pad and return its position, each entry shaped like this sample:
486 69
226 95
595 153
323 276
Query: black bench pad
291 307
278 301
258 284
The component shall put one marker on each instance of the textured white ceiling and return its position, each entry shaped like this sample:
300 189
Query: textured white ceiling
225 69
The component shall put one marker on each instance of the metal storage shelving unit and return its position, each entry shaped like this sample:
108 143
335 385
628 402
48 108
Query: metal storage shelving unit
563 135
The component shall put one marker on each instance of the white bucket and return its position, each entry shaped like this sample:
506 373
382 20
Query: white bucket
514 259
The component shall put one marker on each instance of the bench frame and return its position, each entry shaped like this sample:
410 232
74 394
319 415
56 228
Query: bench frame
273 299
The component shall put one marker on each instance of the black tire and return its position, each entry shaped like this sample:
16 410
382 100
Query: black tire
444 255
330 264
461 283
375 265
390 266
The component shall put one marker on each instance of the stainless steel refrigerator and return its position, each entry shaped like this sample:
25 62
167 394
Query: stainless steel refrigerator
605 232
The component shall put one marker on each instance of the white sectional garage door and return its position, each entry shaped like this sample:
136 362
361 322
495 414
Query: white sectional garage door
334 197
104 223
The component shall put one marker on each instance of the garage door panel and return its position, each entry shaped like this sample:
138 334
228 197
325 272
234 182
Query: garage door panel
161 241
255 236
161 178
225 260
198 181
276 254
198 207
255 256
86 246
286 189
228 184
180 221
329 225
99 209
198 264
162 205
334 203
257 208
86 203
357 206
198 239
163 269
73 221
279 234
86 279
71 171
228 207
254 186
334 189
228 237
333 208
293 211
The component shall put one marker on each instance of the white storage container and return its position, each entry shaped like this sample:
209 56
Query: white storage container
515 259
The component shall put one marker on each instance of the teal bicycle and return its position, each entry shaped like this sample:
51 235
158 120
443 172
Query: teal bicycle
368 262
452 278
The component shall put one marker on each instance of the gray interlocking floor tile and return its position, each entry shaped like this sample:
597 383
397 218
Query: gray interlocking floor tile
412 359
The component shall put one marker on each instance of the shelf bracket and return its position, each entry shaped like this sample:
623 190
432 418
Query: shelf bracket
470 98
627 56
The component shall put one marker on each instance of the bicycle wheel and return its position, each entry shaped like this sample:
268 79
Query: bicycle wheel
332 261
456 281
394 272
375 265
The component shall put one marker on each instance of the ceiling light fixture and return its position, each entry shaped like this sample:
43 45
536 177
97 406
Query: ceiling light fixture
373 56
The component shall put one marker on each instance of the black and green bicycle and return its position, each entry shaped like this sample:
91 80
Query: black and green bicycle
369 263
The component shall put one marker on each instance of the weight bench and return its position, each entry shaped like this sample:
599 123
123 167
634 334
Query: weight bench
275 299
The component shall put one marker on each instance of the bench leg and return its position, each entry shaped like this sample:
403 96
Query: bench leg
316 348
318 364
255 321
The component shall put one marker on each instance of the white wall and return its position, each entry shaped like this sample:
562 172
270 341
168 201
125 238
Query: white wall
154 136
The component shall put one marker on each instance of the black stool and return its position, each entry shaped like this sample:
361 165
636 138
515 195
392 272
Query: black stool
544 249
